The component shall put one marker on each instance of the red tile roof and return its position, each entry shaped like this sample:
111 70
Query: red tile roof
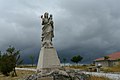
113 56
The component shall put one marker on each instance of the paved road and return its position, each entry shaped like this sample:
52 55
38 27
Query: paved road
28 69
109 75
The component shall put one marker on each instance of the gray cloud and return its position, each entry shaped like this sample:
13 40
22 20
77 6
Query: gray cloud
93 21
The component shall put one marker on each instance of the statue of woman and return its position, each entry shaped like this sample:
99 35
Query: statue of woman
47 30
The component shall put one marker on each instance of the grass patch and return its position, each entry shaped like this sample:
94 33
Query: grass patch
27 66
21 75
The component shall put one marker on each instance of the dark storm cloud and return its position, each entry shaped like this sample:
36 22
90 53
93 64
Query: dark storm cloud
92 22
91 27
86 26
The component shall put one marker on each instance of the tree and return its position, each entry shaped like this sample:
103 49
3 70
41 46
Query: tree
118 59
106 57
15 55
10 60
32 58
64 60
76 59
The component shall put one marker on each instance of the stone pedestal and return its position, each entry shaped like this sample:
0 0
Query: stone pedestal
48 59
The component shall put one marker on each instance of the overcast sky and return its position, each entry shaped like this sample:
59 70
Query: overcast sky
88 27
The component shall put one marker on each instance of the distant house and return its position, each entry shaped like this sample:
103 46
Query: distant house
111 60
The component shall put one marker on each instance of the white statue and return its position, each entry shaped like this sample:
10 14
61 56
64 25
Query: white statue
48 58
47 30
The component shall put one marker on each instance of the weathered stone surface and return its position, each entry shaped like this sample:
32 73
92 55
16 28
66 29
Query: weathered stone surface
48 59
60 75
47 30
45 78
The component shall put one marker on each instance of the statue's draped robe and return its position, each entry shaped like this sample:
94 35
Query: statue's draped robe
47 32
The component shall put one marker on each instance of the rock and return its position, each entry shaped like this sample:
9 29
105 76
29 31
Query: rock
59 75
45 78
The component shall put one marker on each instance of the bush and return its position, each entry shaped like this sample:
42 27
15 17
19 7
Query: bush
6 66
9 60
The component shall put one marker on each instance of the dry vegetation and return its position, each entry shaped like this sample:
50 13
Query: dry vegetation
105 69
98 78
111 69
21 74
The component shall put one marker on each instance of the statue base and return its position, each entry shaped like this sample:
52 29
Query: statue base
48 60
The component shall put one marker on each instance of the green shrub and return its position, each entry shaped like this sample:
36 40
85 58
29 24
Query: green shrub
9 60
6 66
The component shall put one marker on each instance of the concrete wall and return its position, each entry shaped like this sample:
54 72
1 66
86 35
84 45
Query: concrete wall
107 63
